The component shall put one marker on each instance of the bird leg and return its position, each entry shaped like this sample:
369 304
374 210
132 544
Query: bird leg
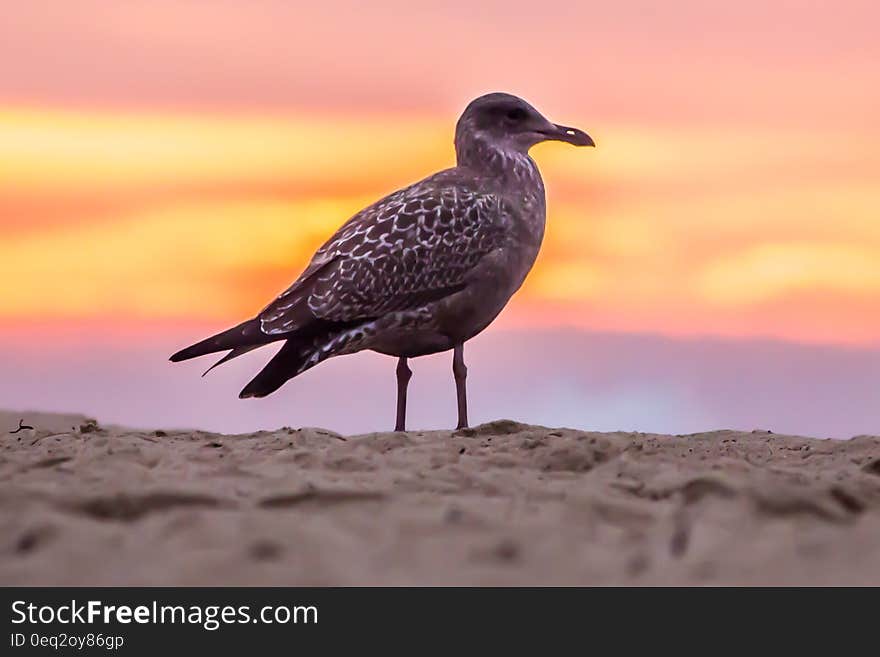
459 371
404 374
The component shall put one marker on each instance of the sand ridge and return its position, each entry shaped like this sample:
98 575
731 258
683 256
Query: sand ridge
500 504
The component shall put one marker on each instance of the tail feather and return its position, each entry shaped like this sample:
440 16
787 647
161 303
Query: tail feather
286 364
300 353
235 353
247 334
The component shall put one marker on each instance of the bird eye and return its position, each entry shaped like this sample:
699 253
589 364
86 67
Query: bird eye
516 114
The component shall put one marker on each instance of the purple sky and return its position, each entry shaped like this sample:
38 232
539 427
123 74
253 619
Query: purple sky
559 378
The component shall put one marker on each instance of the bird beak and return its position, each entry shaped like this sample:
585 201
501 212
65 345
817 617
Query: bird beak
569 135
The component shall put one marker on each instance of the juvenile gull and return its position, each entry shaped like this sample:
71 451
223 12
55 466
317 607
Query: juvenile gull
421 271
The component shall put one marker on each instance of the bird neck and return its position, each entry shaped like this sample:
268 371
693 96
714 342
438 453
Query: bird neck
490 159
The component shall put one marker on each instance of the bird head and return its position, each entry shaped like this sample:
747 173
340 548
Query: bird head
512 124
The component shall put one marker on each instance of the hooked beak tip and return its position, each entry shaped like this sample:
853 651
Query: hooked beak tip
570 135
576 137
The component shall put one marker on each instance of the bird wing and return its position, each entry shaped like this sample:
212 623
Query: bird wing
412 247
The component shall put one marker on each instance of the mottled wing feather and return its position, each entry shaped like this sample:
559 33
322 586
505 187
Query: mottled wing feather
414 246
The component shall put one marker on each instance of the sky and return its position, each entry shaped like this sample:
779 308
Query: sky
168 167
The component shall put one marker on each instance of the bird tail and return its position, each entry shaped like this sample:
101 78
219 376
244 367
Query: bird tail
302 350
240 339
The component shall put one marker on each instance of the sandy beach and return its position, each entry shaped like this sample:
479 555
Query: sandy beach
500 504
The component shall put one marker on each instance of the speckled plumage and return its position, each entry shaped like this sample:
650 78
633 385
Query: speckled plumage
411 248
421 270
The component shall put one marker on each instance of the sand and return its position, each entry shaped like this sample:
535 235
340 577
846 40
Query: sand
500 504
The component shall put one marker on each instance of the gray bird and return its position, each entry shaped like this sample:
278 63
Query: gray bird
421 271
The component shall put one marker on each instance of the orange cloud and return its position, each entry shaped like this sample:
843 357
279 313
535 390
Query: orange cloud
64 151
687 231
774 270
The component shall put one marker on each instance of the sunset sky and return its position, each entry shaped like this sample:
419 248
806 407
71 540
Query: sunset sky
167 167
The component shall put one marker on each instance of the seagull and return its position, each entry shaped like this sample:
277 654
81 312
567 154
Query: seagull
421 271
